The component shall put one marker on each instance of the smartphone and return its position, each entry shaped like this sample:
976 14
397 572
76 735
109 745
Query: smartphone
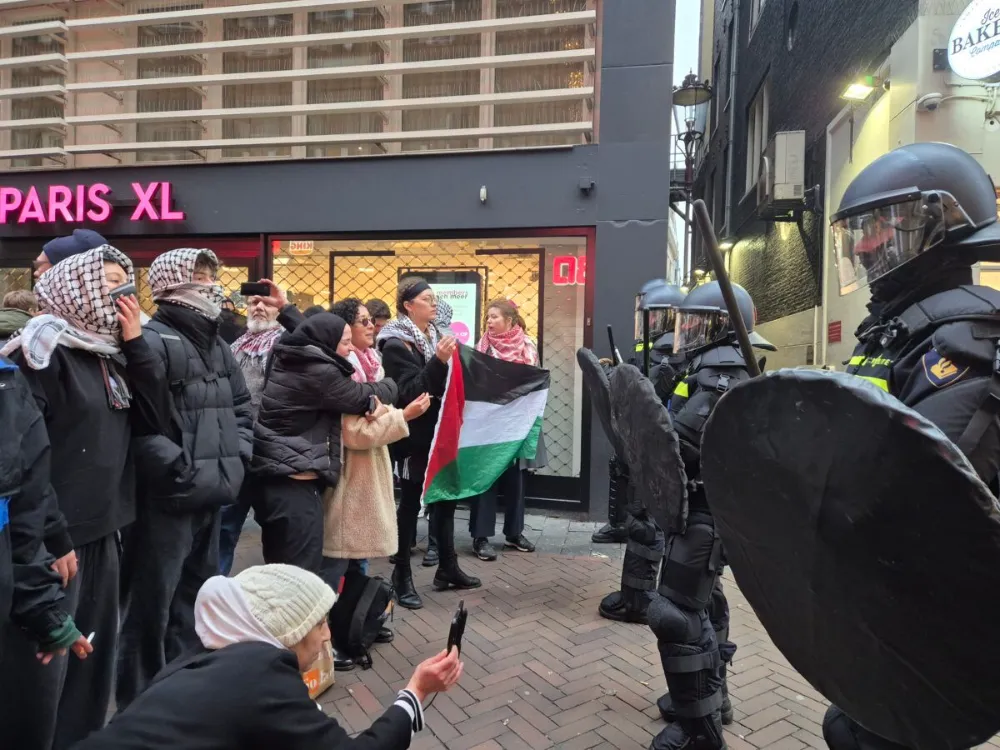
372 404
457 629
254 289
125 290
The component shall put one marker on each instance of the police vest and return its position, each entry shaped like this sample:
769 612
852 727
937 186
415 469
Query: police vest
960 324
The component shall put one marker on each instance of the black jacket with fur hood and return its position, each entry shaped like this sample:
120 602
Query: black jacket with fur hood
307 391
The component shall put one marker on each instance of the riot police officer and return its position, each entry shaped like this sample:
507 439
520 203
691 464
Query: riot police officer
656 313
690 615
665 298
910 226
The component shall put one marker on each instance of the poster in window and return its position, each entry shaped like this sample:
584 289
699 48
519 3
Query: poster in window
462 290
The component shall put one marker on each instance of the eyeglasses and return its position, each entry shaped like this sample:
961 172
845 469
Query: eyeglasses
364 322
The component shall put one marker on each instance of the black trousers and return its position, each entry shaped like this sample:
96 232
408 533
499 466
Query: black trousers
56 706
483 511
290 514
442 529
168 557
407 514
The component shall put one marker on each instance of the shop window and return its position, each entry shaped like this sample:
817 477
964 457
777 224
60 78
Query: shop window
321 272
14 279
757 135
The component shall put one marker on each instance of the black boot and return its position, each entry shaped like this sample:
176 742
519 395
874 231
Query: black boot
609 534
342 662
616 607
449 575
406 592
696 734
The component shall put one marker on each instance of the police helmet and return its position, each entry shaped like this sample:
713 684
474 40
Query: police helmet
703 319
660 308
646 289
907 202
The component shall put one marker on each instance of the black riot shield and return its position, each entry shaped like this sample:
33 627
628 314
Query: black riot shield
595 380
867 546
650 447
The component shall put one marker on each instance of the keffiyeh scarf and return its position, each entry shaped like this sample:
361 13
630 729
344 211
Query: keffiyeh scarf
367 365
406 330
78 312
257 344
512 346
171 279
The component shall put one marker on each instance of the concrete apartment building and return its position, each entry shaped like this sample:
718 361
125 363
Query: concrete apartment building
503 148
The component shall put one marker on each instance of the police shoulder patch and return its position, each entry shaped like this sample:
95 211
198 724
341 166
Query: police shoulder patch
940 371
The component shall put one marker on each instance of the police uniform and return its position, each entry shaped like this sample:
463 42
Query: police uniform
932 339
690 615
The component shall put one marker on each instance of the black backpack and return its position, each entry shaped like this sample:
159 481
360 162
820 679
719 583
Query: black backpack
362 608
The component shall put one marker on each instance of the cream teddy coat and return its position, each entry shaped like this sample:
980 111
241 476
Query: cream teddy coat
360 511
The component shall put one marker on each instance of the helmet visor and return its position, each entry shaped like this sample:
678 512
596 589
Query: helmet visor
661 320
696 329
870 244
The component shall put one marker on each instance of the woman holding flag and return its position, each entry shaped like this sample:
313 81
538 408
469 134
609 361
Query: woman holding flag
505 338
416 357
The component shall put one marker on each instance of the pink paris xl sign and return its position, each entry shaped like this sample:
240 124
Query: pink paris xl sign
80 203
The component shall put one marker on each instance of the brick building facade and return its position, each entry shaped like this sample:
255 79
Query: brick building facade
793 59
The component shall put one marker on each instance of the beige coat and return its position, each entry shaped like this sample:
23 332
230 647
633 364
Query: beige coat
360 512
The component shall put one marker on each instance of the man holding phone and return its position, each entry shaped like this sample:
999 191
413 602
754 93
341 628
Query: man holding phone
251 351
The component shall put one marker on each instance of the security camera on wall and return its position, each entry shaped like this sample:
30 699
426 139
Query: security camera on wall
930 102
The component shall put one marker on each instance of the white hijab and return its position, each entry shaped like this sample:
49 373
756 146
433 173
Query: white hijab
222 616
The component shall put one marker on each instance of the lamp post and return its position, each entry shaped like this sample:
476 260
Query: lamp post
690 101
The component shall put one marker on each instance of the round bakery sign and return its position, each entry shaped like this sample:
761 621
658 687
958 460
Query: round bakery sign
974 46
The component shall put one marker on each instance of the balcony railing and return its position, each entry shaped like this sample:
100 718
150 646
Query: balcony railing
271 79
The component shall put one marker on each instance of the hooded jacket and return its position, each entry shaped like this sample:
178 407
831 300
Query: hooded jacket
12 320
307 391
198 464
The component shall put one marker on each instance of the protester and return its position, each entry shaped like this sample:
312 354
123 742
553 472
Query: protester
17 309
297 448
417 359
96 382
442 321
244 689
314 310
189 473
30 589
61 248
251 351
380 313
505 338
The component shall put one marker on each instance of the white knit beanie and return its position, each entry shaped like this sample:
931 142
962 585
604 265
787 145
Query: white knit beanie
287 600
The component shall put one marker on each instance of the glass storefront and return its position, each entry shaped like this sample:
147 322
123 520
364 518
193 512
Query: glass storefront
531 271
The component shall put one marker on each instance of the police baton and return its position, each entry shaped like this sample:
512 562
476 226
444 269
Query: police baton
704 222
616 357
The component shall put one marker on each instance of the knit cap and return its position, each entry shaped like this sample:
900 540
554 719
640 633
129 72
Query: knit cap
287 600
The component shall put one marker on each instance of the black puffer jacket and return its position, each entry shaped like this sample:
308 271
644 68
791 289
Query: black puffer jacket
308 390
406 365
200 465
30 591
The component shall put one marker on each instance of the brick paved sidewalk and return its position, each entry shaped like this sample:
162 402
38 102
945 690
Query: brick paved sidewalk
543 670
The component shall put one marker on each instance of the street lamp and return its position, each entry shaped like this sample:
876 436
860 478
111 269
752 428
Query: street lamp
690 101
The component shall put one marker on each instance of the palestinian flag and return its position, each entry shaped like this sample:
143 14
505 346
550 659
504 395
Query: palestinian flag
491 414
